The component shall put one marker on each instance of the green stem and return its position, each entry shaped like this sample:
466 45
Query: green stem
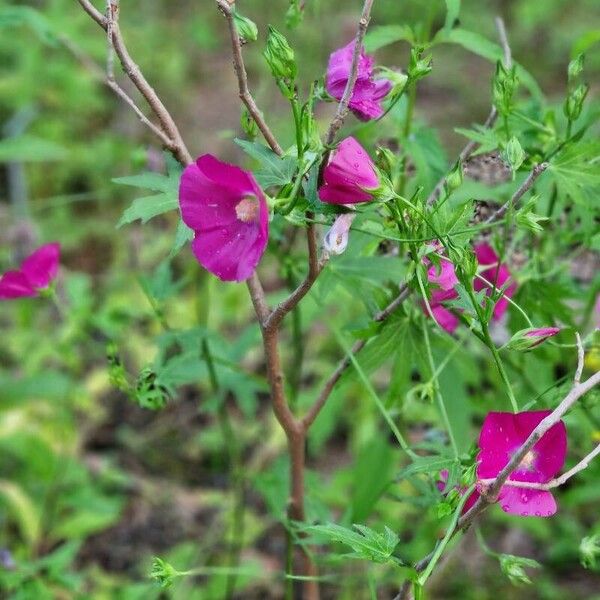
438 394
490 344
361 374
410 108
437 554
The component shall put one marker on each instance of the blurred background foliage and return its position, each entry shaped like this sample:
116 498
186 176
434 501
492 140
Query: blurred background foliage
92 485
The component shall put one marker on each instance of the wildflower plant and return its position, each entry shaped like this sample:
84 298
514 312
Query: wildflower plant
360 216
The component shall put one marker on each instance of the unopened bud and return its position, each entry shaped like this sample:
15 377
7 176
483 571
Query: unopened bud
574 102
336 239
248 124
514 568
504 86
589 551
246 28
527 339
454 179
575 67
280 56
514 154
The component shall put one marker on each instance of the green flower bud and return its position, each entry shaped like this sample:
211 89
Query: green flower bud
418 67
574 102
504 86
280 56
454 179
575 67
248 124
514 568
386 161
246 28
163 572
514 154
589 551
294 14
397 78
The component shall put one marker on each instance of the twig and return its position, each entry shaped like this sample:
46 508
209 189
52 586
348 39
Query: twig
523 189
342 109
172 138
227 8
315 409
580 359
489 122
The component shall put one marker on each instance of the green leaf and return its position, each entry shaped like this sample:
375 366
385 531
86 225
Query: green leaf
371 269
147 207
425 464
378 37
366 543
585 42
29 148
183 235
274 169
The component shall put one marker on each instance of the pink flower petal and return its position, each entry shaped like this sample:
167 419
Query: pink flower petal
443 276
348 174
497 275
228 211
526 503
14 284
41 266
503 434
367 94
446 320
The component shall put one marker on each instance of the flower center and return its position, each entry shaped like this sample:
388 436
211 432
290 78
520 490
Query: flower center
247 209
527 462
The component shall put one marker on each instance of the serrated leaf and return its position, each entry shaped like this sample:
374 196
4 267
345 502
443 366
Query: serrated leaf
365 542
147 208
183 235
425 464
147 181
274 169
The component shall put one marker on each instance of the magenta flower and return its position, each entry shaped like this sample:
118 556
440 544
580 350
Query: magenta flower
501 436
36 273
228 212
368 92
497 275
349 174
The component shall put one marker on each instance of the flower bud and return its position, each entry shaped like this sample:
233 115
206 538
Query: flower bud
163 572
589 551
418 67
574 102
336 239
248 124
246 28
503 87
514 154
527 339
575 67
294 14
280 56
454 179
513 567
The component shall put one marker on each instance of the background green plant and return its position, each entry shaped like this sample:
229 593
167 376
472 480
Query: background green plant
92 483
